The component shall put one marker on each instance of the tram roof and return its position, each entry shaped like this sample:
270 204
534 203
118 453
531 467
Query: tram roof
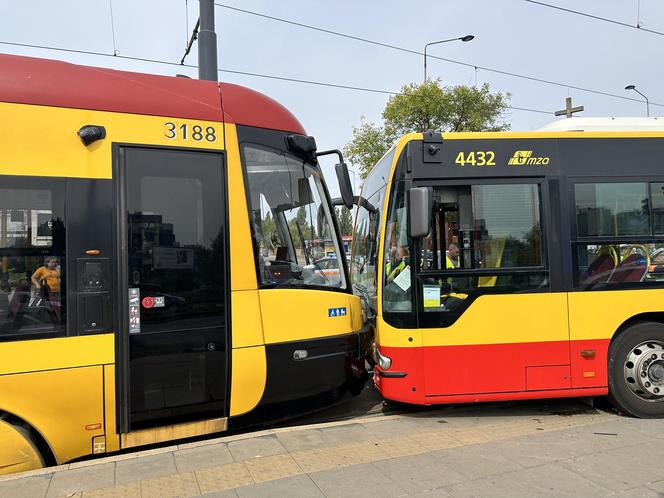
30 80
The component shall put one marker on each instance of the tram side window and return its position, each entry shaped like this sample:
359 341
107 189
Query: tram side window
292 225
630 218
32 259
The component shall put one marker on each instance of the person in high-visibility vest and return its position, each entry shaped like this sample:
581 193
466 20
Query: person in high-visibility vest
397 262
451 256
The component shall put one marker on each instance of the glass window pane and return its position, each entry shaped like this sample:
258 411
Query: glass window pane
507 231
292 226
609 209
32 242
366 238
397 294
657 203
601 265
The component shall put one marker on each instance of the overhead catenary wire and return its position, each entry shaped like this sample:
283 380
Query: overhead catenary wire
599 18
115 49
417 52
243 73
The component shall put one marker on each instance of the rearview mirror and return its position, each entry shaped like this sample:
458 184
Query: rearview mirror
420 202
345 186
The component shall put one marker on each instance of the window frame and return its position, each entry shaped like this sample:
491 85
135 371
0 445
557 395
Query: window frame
276 140
543 200
576 241
420 318
58 191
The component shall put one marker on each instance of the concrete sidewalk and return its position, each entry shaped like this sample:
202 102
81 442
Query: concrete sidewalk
523 449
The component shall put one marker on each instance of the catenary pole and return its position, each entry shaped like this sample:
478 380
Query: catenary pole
207 43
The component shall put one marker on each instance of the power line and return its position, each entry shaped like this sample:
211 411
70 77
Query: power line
115 50
416 52
599 18
230 71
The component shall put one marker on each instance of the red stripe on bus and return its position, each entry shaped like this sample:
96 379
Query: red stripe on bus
491 372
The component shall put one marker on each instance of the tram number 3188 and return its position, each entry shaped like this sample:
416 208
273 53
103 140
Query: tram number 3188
185 131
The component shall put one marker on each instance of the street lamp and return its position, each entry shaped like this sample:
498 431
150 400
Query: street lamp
632 87
466 38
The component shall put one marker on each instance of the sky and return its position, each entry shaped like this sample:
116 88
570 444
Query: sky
514 36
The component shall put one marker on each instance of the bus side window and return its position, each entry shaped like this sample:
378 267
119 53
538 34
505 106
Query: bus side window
630 215
32 258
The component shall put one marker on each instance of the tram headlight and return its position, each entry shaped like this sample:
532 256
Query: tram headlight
381 360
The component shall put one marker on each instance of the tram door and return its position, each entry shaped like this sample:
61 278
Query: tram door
175 348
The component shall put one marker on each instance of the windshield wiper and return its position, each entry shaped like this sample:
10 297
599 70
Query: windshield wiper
309 261
304 246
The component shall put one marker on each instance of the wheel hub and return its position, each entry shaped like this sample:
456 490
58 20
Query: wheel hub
644 370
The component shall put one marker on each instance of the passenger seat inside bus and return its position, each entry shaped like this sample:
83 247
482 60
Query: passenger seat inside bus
631 269
601 268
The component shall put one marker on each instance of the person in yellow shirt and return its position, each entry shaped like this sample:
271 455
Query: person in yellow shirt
47 281
48 274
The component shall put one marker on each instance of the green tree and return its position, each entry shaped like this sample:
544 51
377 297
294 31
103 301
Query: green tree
422 107
301 216
269 232
345 220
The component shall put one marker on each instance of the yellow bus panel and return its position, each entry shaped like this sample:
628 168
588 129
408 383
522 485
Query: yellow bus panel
58 151
310 307
60 404
243 276
62 352
597 315
248 377
246 319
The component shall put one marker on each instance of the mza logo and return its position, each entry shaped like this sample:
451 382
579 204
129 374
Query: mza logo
336 312
525 158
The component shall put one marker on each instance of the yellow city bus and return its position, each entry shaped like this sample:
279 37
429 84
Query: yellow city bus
157 277
505 265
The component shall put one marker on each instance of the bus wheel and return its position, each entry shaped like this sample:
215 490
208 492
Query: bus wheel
636 370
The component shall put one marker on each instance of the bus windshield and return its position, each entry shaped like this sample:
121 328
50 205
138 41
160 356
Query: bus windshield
294 237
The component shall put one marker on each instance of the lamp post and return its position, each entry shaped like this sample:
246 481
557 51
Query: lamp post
466 38
632 87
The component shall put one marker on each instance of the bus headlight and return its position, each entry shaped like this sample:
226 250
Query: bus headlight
383 361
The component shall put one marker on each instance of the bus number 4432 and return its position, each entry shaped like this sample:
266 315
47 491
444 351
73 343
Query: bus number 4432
185 131
478 158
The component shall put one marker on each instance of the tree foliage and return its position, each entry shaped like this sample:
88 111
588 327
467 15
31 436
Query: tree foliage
427 106
368 145
345 220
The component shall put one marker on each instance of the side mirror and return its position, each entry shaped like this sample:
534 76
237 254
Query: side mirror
345 186
420 202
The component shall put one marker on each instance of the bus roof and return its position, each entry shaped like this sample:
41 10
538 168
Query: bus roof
29 80
605 124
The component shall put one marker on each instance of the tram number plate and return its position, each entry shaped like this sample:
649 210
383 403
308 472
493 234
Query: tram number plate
186 131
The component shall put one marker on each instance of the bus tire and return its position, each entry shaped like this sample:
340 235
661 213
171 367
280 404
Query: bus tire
636 370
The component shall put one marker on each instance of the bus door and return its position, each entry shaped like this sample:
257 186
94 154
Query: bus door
489 323
174 361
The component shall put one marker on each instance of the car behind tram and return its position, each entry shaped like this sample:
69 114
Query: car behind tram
505 265
156 280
